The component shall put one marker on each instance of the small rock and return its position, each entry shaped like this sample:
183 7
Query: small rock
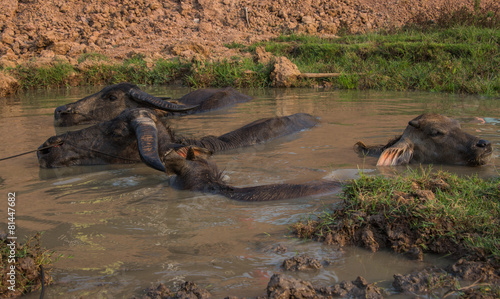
285 73
61 48
8 85
307 20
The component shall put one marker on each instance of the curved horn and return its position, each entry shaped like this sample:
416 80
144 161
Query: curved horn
159 103
397 154
147 141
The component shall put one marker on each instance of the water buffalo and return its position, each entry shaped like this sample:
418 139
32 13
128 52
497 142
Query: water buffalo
434 139
140 134
112 100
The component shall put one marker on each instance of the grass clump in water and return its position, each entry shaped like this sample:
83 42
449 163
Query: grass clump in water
423 211
28 260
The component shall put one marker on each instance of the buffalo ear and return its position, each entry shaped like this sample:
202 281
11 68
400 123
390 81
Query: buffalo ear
414 123
174 163
192 152
147 141
398 154
369 150
159 103
190 155
360 148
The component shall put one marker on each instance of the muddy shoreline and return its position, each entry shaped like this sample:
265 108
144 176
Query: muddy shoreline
465 279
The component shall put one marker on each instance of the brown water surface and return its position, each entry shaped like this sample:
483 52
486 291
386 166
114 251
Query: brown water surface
125 228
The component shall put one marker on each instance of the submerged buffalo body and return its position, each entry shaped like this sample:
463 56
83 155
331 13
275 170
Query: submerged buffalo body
431 139
138 134
207 99
194 172
112 100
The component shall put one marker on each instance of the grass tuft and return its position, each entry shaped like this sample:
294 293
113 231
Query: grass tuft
28 259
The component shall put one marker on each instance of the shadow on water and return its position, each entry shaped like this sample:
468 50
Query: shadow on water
125 228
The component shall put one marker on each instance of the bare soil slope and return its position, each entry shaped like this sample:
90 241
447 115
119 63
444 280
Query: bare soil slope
64 29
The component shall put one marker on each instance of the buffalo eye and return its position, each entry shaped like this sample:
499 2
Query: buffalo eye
112 98
120 132
435 133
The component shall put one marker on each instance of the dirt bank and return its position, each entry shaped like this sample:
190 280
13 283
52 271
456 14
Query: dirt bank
43 31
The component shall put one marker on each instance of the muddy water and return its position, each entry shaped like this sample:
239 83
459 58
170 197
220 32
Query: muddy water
122 228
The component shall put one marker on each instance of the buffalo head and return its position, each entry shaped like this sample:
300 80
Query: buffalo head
129 138
434 139
109 103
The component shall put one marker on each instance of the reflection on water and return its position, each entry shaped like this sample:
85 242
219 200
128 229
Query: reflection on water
125 228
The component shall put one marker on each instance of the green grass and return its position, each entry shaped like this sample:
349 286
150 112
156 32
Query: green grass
238 72
457 60
41 77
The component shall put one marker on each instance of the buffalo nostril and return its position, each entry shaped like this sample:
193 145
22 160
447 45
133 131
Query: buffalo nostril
63 110
44 151
482 143
53 142
67 111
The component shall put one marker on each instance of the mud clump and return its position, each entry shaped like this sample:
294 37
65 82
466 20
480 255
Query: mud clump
187 289
476 271
358 288
8 85
423 282
445 282
285 73
281 286
302 263
280 248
